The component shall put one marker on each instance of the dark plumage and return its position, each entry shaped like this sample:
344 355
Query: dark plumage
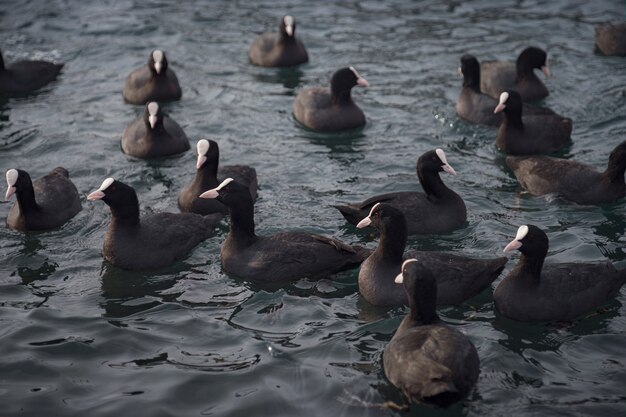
437 210
152 82
209 176
458 277
153 135
151 241
611 38
24 77
331 110
280 257
572 180
426 359
499 76
533 291
529 134
474 106
44 204
280 49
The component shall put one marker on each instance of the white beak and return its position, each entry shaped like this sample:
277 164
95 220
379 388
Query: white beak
201 160
10 192
213 193
364 223
96 195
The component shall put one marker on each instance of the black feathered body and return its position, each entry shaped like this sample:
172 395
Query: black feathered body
458 277
539 134
499 76
47 203
563 291
142 86
424 214
188 200
24 77
269 50
315 109
166 139
288 256
570 180
157 241
431 363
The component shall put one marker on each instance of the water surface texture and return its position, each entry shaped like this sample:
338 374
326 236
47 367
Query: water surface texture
78 336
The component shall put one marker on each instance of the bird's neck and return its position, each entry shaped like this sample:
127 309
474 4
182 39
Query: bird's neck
126 215
392 244
26 199
472 82
206 176
531 266
513 120
432 184
615 174
242 221
340 95
424 311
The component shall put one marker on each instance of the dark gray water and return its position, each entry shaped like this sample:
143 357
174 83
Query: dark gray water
78 336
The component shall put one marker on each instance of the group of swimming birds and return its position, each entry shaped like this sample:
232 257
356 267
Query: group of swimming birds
426 359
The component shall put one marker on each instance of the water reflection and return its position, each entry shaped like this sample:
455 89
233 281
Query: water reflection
345 147
31 244
41 273
290 78
545 337
4 113
128 292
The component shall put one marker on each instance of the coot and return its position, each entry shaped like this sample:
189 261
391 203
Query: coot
25 76
533 291
571 180
529 134
155 81
279 257
426 359
151 241
154 135
280 49
474 106
331 109
437 210
499 76
209 176
45 204
458 277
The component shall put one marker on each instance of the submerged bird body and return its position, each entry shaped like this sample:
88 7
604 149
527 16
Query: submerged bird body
152 82
572 180
280 257
428 360
208 176
458 277
437 210
280 49
499 76
331 110
611 38
154 135
25 76
46 203
533 291
151 241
